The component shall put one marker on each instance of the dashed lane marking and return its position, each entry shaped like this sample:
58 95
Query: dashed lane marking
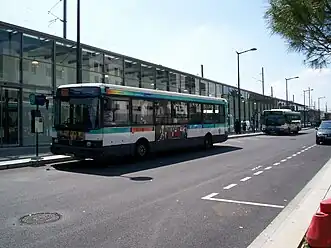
256 168
258 173
275 164
289 157
230 186
245 179
268 168
283 160
211 196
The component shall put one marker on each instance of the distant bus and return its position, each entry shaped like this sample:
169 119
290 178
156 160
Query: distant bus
93 120
281 121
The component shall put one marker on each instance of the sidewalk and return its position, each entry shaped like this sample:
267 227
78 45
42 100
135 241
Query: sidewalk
289 227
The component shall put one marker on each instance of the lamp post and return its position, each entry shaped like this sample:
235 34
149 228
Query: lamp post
286 80
304 104
319 109
78 48
239 93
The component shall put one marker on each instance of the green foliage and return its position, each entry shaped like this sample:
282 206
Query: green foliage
305 25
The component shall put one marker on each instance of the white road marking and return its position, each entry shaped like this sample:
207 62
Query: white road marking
258 173
304 147
245 179
289 157
275 164
268 168
302 151
256 168
210 198
230 186
283 160
294 155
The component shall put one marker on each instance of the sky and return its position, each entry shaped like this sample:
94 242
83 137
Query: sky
182 35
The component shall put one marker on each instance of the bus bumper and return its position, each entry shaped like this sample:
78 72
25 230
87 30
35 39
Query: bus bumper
88 152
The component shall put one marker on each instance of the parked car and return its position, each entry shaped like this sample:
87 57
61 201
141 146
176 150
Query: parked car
323 132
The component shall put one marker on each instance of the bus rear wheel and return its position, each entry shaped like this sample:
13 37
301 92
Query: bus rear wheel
142 149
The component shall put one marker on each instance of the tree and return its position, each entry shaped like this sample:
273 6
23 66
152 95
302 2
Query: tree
305 25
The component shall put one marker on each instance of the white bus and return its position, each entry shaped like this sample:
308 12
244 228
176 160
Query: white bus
281 121
93 120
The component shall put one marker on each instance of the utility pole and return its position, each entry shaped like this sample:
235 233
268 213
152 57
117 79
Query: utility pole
308 98
262 74
326 107
78 47
64 19
272 92
293 98
201 70
304 108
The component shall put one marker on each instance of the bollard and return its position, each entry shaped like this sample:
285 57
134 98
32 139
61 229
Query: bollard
318 234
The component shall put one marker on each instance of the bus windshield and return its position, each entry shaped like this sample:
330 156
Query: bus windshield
77 113
274 120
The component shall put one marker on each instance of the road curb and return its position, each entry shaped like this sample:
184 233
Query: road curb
32 163
290 226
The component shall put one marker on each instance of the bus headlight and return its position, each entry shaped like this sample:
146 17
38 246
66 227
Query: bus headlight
56 141
88 144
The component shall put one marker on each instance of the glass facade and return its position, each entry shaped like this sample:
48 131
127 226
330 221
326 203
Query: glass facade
34 62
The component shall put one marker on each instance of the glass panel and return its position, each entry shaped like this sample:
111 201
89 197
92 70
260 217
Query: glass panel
203 87
196 86
174 82
9 116
219 90
109 79
162 79
147 76
113 65
142 112
92 77
212 89
10 42
92 61
180 113
9 68
65 54
28 137
37 48
37 73
132 70
65 75
116 112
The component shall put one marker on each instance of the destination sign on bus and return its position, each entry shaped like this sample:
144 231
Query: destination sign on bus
79 92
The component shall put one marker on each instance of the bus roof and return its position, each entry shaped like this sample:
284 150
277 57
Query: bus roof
148 91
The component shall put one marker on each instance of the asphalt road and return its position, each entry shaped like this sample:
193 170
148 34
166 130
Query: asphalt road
220 198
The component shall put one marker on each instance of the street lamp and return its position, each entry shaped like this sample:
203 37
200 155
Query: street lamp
239 93
319 110
78 49
304 104
288 79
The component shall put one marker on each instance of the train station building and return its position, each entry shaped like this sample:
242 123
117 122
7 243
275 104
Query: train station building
35 62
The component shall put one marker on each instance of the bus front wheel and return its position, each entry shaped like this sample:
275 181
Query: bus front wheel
208 142
142 149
